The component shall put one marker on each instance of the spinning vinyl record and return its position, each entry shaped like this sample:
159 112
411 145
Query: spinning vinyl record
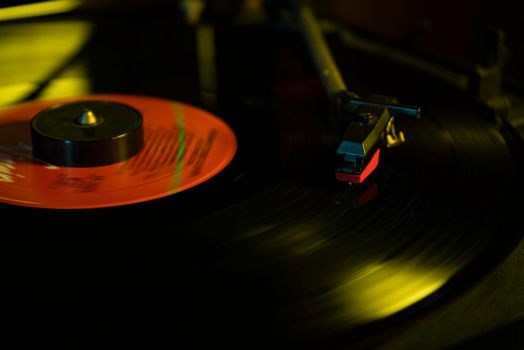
329 262
235 233
184 146
304 261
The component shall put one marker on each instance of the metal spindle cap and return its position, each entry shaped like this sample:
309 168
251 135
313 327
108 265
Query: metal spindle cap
87 133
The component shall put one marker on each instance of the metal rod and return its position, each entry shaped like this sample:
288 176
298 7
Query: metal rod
327 68
318 47
410 111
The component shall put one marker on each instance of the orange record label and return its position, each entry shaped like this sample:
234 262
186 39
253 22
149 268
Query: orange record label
183 147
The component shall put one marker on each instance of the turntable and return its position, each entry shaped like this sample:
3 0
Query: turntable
243 175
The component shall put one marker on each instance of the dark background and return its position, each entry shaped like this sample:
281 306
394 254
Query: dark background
447 28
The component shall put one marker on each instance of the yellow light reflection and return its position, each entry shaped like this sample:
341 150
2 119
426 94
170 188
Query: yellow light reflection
66 87
73 82
370 293
13 93
384 289
31 53
44 8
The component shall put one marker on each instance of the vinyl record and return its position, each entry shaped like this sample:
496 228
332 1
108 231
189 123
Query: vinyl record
184 146
270 251
333 262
